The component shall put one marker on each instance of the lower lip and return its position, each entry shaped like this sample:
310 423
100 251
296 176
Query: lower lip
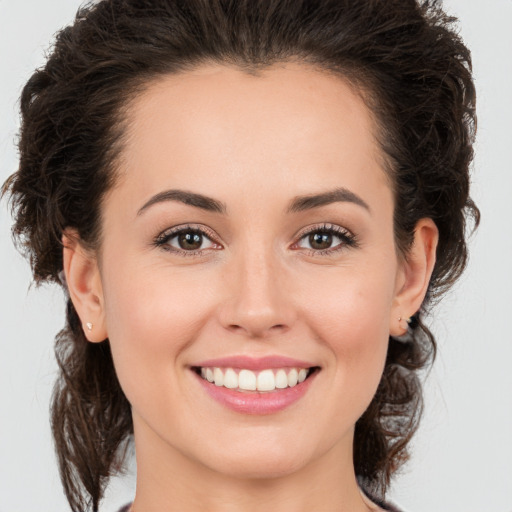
254 402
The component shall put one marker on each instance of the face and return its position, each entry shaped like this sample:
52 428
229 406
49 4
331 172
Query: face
249 240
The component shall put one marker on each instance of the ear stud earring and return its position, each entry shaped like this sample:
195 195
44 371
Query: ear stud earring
89 326
404 324
407 320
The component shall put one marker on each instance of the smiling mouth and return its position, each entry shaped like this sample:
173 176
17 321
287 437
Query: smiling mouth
244 380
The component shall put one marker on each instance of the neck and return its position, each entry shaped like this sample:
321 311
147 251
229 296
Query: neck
169 480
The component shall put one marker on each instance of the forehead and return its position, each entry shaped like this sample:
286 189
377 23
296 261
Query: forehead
218 122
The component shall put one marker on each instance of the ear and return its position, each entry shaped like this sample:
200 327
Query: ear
414 275
84 285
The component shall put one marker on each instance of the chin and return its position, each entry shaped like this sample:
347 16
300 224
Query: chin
260 468
259 461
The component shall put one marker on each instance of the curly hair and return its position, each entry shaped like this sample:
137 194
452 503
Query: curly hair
413 72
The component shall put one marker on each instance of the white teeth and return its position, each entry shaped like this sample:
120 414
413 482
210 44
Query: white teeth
230 379
293 377
218 377
266 381
281 379
247 380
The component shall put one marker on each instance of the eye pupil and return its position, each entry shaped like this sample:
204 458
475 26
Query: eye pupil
190 240
320 240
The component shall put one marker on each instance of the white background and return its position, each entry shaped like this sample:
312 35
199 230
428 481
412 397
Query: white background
462 455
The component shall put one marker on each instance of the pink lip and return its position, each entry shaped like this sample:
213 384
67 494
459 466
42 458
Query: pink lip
256 402
255 364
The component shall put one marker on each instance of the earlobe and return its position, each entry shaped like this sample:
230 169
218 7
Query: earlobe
415 273
84 285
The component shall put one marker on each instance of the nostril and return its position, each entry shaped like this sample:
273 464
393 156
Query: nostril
257 331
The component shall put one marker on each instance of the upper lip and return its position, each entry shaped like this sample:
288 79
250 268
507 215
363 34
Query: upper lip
255 363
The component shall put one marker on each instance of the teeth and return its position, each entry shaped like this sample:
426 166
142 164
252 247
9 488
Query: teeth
247 380
281 379
266 381
293 377
218 377
230 379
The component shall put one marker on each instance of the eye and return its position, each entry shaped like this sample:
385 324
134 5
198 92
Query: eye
327 238
186 240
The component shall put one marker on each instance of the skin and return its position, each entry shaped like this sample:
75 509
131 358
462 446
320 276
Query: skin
256 287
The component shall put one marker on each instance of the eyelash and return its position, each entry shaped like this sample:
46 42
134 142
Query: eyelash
163 239
347 238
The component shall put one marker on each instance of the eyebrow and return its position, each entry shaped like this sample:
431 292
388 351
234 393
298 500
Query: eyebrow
192 199
341 194
298 204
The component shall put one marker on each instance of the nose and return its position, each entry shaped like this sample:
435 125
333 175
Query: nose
258 302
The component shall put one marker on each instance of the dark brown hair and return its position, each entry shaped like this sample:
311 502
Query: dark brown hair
414 73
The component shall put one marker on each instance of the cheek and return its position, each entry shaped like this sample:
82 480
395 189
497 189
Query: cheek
151 318
351 318
352 309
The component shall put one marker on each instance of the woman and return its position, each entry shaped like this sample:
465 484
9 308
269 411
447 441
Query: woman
251 204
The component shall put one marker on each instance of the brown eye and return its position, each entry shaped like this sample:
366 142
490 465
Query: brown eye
186 241
320 240
327 239
190 240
